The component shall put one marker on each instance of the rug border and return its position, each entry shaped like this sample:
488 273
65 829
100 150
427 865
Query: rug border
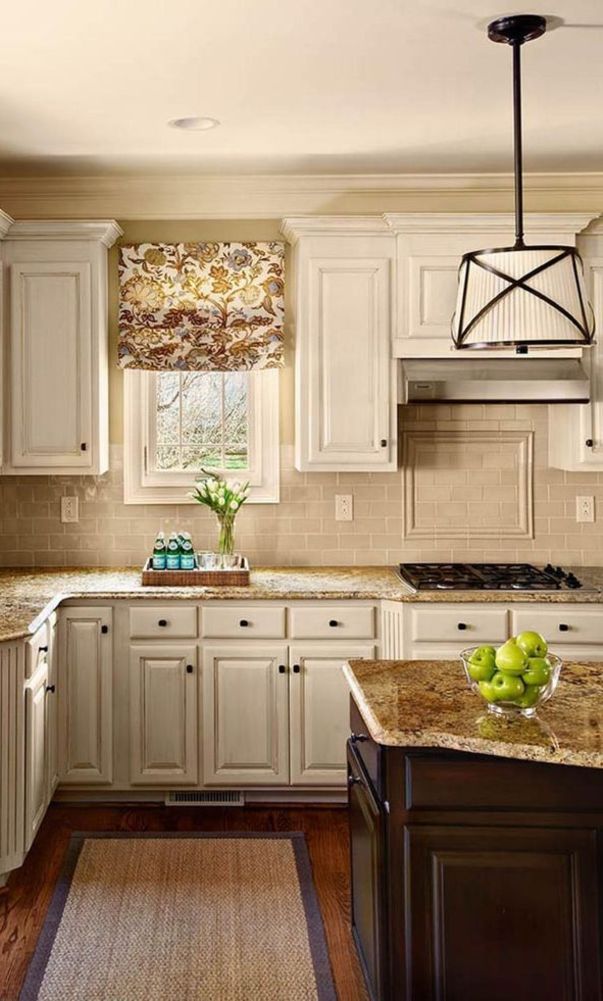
323 973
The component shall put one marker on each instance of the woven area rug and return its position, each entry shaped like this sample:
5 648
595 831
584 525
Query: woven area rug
183 917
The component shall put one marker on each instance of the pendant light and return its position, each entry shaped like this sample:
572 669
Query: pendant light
521 296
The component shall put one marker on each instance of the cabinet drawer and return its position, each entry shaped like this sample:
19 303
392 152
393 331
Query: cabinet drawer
163 622
36 651
332 622
463 623
562 624
242 621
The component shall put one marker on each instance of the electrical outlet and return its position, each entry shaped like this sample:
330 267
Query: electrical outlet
344 507
70 510
585 508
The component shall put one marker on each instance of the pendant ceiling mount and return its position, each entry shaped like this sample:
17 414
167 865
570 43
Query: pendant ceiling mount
521 296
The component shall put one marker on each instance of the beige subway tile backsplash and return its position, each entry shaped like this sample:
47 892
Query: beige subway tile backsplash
466 496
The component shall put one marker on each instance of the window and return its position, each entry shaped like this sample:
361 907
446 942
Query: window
177 423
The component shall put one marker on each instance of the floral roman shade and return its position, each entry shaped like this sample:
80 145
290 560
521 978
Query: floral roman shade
201 306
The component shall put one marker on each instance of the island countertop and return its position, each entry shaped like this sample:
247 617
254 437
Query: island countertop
428 704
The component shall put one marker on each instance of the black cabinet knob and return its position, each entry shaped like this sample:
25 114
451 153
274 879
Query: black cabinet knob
384 443
296 668
589 443
333 622
50 688
353 780
358 738
162 622
563 627
189 669
461 625
281 669
104 629
243 623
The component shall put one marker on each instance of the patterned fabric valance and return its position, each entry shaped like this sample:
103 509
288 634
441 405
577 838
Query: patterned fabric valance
202 306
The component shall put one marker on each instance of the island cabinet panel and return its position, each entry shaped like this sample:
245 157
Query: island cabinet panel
498 914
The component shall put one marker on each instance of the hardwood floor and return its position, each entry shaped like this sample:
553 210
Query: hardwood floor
24 902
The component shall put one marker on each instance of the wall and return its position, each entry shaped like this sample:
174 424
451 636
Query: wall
476 483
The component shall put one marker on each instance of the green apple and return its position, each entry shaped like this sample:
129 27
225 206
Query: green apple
487 691
481 665
537 672
510 658
529 697
532 644
507 687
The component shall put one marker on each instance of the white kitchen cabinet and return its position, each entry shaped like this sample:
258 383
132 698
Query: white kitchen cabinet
345 377
430 246
163 715
85 706
36 751
52 707
245 714
56 375
319 711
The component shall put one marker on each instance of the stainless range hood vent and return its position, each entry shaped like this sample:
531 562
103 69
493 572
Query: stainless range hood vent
488 380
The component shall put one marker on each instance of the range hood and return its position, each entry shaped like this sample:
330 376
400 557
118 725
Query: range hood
493 380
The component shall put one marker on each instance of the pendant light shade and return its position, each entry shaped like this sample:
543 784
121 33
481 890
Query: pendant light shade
521 296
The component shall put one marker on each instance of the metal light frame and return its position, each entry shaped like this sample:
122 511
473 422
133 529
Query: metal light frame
515 31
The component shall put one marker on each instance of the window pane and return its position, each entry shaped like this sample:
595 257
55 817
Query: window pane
202 420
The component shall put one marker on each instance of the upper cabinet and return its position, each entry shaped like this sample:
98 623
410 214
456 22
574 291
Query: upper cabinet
345 389
428 253
56 346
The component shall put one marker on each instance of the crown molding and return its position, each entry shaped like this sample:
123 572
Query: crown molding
104 231
278 196
494 222
294 227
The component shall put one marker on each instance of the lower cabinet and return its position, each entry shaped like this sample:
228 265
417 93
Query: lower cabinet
245 715
319 711
163 715
36 751
85 679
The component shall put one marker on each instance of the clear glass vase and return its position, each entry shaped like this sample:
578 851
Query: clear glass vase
226 536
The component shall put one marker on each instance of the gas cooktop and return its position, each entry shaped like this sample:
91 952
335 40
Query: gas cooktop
487 577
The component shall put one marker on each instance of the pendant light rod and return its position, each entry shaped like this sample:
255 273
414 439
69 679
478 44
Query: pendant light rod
514 31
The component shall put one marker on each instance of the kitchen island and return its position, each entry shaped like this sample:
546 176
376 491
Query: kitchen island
476 855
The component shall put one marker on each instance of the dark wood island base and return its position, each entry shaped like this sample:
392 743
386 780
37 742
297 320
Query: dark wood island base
474 877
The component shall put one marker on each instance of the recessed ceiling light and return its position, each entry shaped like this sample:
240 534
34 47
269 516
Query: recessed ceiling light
194 124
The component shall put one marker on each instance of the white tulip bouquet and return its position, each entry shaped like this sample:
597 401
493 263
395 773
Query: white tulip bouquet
224 499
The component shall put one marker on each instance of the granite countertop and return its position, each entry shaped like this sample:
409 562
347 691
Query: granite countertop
28 596
425 703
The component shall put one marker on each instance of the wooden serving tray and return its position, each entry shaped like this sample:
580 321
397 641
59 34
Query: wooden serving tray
237 577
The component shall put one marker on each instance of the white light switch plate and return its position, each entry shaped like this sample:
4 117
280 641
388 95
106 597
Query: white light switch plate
344 507
585 508
70 510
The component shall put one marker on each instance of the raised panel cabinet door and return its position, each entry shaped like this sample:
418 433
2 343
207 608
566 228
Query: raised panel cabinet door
366 865
36 766
245 715
85 690
500 913
163 714
345 370
319 707
51 359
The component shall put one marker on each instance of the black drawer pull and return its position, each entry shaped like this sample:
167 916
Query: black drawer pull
243 623
353 780
358 738
43 649
162 622
296 668
189 669
333 623
50 688
282 669
461 625
563 627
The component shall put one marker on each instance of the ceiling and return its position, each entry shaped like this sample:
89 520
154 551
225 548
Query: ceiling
315 86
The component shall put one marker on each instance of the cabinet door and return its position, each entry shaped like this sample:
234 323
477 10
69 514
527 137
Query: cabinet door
36 765
85 663
163 715
319 711
52 709
51 359
500 913
245 709
366 857
345 405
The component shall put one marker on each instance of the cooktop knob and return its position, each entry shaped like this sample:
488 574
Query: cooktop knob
572 581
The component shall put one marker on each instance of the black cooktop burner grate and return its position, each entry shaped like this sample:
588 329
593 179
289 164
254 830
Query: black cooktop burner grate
486 577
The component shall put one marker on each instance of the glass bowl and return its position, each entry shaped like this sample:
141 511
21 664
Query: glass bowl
524 704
